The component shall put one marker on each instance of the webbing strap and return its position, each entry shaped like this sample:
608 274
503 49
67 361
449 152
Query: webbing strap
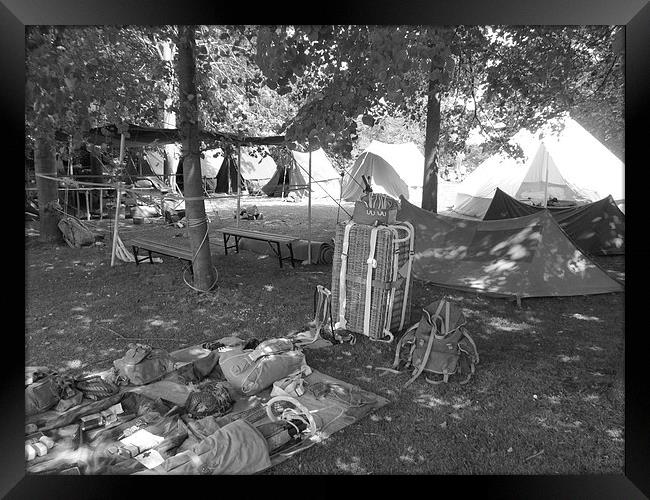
427 353
341 323
471 341
411 232
391 293
401 342
372 263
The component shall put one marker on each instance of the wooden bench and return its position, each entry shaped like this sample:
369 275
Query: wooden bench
270 238
181 251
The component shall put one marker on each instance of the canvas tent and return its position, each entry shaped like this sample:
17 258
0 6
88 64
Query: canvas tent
396 170
528 256
597 228
155 162
293 179
474 194
257 170
572 166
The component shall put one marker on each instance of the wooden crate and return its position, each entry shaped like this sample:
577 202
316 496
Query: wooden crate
387 296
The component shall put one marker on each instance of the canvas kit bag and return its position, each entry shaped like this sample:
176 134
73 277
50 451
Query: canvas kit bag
253 370
371 278
439 345
41 395
143 364
75 233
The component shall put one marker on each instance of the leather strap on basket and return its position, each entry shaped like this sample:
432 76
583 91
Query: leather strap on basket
341 323
391 292
372 264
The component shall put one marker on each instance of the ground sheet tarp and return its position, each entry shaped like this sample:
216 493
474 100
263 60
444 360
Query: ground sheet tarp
229 444
528 256
597 228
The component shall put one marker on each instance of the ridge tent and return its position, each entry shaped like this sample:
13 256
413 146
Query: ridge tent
572 167
211 163
474 194
395 169
294 178
257 170
597 228
219 172
155 161
528 256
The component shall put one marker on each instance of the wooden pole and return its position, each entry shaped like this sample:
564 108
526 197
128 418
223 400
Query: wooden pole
117 220
228 179
70 151
87 204
238 184
101 203
309 214
122 147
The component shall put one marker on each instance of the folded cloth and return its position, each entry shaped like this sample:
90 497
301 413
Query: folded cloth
236 448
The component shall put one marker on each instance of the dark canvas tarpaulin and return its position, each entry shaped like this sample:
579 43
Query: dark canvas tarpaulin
596 228
136 135
528 256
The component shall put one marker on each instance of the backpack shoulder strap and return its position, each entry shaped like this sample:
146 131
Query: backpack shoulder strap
427 353
474 356
407 336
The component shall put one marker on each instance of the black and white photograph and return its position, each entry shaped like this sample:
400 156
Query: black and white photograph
325 249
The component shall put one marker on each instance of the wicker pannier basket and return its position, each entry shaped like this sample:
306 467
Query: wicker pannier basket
388 285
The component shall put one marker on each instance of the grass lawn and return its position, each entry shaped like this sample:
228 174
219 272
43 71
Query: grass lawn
547 397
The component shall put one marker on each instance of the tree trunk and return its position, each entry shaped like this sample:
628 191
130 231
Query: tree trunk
166 50
204 276
48 195
432 135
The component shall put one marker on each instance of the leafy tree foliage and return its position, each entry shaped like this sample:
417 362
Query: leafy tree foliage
80 77
452 79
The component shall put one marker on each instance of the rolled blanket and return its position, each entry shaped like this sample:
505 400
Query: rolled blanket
326 253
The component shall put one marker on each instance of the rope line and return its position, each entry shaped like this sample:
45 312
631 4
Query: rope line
197 223
325 190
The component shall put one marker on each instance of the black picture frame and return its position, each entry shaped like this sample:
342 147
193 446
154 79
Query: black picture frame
634 14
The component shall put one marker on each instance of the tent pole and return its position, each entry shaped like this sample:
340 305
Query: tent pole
70 153
122 147
546 181
228 179
238 183
309 214
117 220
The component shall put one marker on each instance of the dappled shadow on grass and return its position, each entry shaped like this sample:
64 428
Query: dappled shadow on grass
544 366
